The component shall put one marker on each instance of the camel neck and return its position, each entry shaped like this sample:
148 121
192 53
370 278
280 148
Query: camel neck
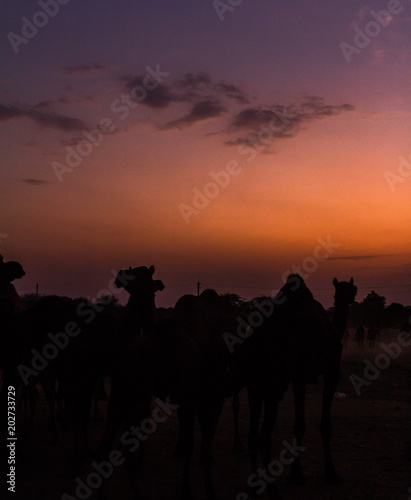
340 317
141 311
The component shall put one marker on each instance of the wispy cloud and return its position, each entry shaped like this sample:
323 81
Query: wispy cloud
55 120
8 112
281 120
207 99
48 119
159 97
64 101
197 85
233 92
200 111
193 88
83 70
34 182
73 141
360 257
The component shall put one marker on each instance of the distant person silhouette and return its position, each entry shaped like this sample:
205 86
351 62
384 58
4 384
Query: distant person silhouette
359 336
371 336
346 338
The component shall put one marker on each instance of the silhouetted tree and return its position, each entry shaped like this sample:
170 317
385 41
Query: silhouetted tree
395 314
234 300
29 299
372 309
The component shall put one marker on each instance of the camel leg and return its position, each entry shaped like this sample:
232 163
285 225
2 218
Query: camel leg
238 445
299 428
50 393
187 416
121 410
115 417
255 403
273 395
27 402
98 394
22 402
78 399
179 449
208 414
331 379
265 439
140 412
114 420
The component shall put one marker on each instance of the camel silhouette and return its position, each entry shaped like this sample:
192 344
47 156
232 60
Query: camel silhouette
46 354
184 360
181 360
206 318
268 359
329 368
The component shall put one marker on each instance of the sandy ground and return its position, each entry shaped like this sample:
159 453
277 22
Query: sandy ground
370 436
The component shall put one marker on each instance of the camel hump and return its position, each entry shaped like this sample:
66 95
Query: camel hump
187 304
210 296
192 304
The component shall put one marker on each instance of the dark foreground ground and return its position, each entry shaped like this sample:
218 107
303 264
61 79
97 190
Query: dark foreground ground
369 443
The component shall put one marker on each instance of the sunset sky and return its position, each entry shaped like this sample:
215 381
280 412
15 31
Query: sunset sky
314 138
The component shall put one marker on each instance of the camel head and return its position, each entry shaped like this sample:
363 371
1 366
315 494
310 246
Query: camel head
10 271
139 281
345 291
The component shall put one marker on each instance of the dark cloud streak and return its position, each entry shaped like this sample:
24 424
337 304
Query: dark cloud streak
360 257
281 121
34 182
83 70
199 112
160 97
42 118
208 99
193 88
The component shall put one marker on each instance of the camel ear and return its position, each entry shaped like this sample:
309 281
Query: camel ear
151 270
335 282
351 281
129 268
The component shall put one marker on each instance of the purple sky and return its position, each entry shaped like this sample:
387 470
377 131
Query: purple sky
215 82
